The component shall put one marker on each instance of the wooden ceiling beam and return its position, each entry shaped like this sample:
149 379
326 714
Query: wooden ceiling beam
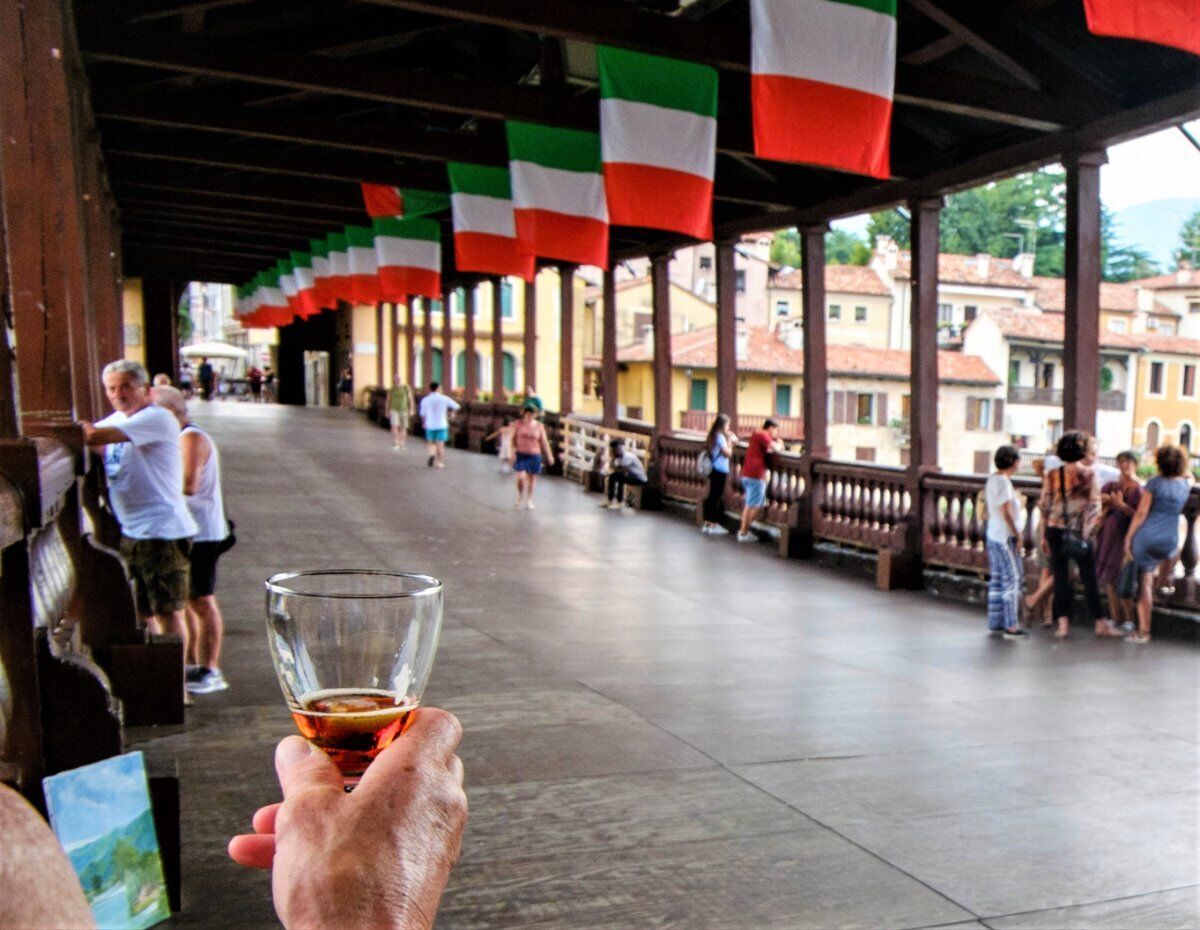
252 259
210 204
169 216
169 232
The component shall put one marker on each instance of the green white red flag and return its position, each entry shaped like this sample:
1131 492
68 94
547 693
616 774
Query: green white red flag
408 253
319 250
822 80
658 133
485 232
364 271
385 200
287 284
1165 22
271 304
306 297
339 268
558 193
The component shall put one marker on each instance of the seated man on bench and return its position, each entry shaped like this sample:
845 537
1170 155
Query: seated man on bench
624 468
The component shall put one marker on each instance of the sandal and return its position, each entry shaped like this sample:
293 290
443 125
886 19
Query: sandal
1138 639
1062 631
1107 631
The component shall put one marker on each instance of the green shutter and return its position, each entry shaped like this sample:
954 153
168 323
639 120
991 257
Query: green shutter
510 372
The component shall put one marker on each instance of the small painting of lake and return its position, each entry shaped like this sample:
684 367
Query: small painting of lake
101 815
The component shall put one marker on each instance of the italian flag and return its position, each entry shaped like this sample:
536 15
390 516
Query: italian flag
319 250
485 233
287 284
364 272
822 78
385 200
306 296
1165 22
339 268
658 133
558 193
409 256
272 308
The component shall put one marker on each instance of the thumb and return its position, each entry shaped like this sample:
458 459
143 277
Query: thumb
301 766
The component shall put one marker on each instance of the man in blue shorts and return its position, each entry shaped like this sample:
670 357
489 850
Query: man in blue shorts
754 475
435 411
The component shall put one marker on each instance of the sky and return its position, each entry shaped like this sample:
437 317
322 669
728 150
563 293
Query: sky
1154 167
86 803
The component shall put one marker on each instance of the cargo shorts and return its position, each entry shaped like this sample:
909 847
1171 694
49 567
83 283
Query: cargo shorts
160 570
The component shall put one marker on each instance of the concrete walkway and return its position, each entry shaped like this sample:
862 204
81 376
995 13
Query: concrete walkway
667 730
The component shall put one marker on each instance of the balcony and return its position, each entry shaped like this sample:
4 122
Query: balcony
1053 397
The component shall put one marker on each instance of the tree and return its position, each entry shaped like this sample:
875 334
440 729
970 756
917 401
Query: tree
785 248
1121 261
889 223
1189 240
841 248
185 319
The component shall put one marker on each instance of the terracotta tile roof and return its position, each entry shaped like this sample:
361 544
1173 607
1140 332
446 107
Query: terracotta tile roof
1175 345
964 269
768 354
1048 327
1052 295
839 279
1171 281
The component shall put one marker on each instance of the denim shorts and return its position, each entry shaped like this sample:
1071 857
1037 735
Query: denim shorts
755 490
530 464
437 435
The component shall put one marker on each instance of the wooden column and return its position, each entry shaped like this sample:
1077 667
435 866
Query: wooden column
727 400
472 385
447 343
393 331
410 334
815 404
1081 348
660 285
566 358
498 395
529 365
379 382
160 305
923 320
608 352
426 342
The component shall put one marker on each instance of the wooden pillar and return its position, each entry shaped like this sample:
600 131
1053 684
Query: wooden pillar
160 300
608 352
472 368
379 382
426 342
498 395
566 358
447 343
814 407
727 400
410 334
923 320
660 285
1081 350
529 364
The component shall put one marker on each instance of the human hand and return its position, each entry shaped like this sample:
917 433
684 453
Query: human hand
376 858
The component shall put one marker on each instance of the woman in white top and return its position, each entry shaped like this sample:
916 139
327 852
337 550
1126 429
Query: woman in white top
205 502
1006 577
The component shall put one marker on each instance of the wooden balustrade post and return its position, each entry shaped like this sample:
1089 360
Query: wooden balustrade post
608 352
660 285
727 399
1081 351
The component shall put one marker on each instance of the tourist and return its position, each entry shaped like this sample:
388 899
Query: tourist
345 389
718 444
399 410
531 397
435 412
761 446
1005 517
1118 500
254 378
162 380
1070 508
206 503
530 443
504 433
143 461
208 379
624 469
1154 530
377 857
185 377
269 384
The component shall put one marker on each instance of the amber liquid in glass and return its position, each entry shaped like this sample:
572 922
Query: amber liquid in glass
352 725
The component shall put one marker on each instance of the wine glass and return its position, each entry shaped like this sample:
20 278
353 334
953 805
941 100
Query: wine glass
353 649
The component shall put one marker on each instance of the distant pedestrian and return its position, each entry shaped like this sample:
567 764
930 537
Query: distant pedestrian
531 397
1118 503
254 377
1005 515
531 444
504 434
162 380
763 444
718 444
206 503
185 377
345 389
624 469
399 410
208 379
269 383
1154 531
435 412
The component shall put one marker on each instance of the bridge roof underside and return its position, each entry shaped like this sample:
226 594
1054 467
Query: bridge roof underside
235 130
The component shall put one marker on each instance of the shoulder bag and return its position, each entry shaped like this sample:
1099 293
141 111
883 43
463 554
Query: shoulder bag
1074 546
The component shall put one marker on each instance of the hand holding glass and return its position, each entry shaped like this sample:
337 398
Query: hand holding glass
353 650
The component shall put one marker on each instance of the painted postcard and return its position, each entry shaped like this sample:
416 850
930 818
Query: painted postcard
101 815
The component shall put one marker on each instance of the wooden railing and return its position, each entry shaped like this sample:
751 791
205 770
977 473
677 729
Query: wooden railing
863 505
791 429
584 442
1053 397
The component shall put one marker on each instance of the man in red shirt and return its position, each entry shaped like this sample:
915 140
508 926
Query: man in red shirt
754 475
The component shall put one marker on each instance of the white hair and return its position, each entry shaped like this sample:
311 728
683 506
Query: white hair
170 397
127 366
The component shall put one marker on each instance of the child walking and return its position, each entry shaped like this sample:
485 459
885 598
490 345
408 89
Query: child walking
506 454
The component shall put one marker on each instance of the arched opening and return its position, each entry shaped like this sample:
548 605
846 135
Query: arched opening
1152 435
1185 436
437 368
460 369
510 371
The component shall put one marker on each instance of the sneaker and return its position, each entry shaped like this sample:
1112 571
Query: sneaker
395 448
615 505
529 505
706 530
208 681
193 672
1014 633
604 504
745 537
717 530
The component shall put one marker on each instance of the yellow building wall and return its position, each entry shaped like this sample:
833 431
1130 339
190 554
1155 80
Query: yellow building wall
1170 411
873 333
133 318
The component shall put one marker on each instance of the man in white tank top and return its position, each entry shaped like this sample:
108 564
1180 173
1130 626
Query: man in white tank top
206 503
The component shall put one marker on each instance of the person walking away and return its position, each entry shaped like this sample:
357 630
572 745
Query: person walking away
143 462
1070 508
624 468
530 442
269 385
345 387
719 446
504 434
208 379
754 475
1005 516
1118 502
399 410
1154 530
255 378
206 503
435 412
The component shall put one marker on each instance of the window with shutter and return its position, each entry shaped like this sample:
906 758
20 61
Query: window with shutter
971 402
998 416
881 409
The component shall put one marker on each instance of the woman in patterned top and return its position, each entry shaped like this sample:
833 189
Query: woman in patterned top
1070 510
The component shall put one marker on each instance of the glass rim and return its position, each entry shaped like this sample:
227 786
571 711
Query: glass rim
274 584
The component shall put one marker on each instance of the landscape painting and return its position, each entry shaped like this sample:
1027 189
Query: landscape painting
101 815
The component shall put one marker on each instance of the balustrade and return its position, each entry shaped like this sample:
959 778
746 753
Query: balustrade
791 429
863 505
584 442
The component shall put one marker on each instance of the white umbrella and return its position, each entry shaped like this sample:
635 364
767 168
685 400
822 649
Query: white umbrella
214 350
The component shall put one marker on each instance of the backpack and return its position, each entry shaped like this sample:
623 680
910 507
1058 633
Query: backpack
704 463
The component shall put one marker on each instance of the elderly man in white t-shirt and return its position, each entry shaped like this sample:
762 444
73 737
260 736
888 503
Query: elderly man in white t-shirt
145 488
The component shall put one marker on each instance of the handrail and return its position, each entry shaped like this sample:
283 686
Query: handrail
861 504
584 442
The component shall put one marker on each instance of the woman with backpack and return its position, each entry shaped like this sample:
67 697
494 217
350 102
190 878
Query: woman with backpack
718 447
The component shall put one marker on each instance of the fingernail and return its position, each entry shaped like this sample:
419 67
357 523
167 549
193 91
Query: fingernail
291 751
